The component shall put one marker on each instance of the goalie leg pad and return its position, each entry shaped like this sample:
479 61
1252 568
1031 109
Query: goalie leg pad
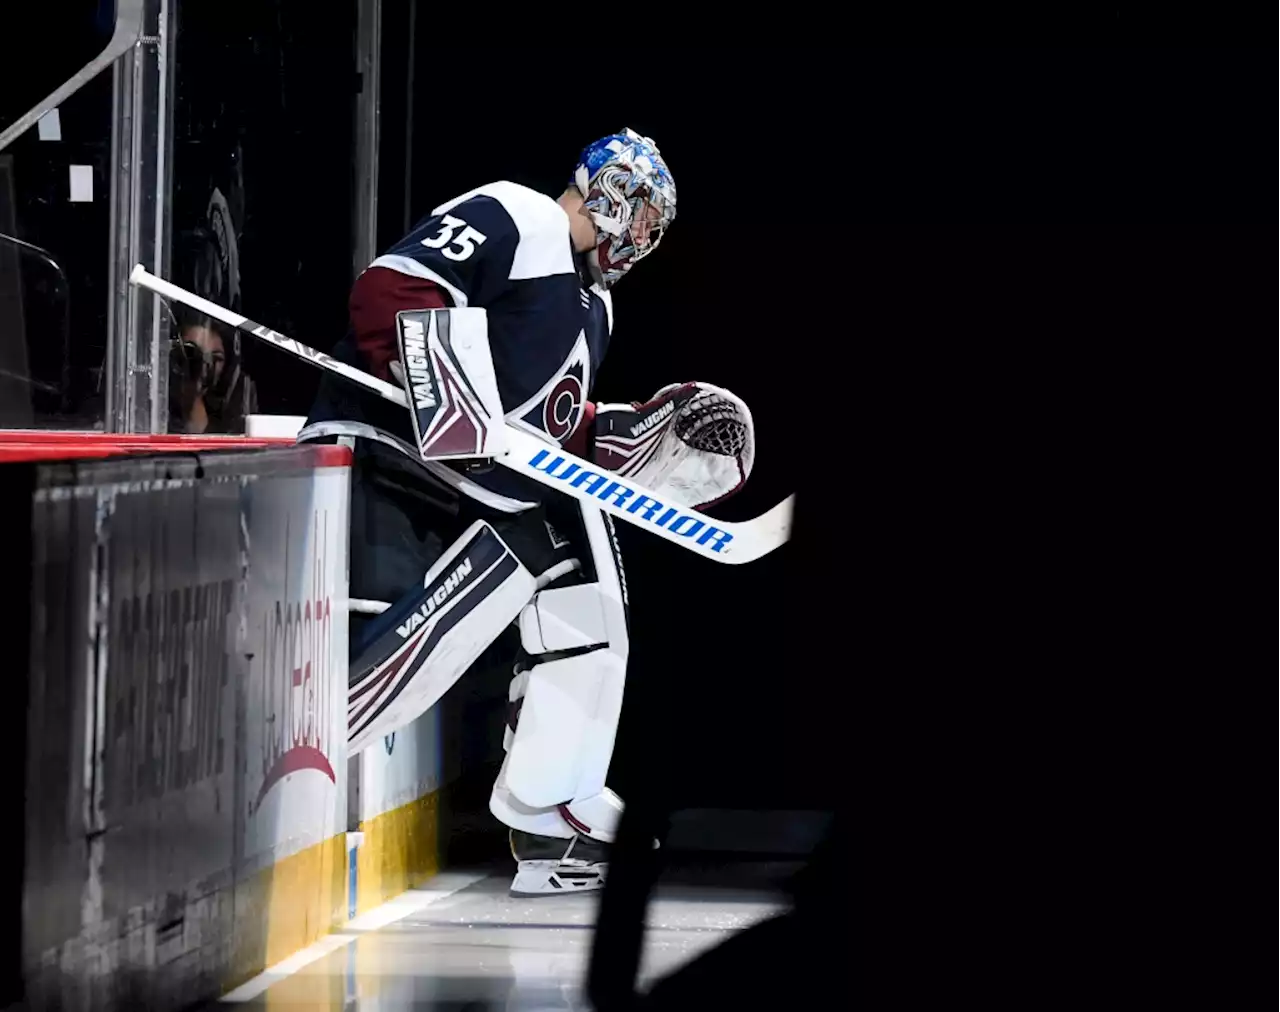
429 639
566 705
596 817
564 737
512 812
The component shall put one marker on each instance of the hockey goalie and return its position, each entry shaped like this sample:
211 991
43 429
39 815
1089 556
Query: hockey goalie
498 305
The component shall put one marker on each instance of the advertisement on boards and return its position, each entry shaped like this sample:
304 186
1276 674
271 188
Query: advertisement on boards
295 700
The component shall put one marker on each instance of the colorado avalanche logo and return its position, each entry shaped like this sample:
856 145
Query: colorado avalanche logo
562 409
556 410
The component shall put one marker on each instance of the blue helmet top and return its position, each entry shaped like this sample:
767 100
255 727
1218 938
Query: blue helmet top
628 191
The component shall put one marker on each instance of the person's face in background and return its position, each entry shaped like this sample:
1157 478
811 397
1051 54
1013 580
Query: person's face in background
204 358
208 341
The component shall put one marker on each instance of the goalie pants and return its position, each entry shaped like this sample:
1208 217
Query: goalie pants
552 570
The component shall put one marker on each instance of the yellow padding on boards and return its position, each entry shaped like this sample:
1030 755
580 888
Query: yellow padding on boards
400 851
286 907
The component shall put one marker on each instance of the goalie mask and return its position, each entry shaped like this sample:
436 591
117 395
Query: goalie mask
628 191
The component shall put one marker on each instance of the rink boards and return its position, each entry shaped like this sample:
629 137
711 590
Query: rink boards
185 758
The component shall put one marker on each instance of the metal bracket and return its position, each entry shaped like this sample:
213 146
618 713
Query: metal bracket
127 32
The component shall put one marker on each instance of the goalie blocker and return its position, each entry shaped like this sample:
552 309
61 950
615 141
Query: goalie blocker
447 372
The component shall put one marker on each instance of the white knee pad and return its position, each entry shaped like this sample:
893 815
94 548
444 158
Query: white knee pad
567 704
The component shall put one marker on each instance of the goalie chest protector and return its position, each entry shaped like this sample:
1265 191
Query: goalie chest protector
507 249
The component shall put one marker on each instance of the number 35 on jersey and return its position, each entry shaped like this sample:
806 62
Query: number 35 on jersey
452 243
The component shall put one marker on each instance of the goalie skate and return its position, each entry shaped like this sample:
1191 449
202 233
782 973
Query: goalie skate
552 866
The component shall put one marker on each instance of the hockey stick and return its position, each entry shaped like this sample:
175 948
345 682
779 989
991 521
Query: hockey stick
718 540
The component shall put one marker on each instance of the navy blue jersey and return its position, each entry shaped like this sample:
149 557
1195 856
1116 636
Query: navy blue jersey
507 249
